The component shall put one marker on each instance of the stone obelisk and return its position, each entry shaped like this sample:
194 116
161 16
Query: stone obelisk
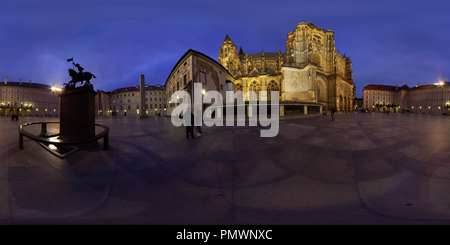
142 105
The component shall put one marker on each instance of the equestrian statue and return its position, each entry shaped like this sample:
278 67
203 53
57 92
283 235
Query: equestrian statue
79 76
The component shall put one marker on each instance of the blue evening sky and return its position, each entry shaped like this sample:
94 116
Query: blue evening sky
390 42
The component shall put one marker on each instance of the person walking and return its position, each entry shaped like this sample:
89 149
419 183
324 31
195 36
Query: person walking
333 110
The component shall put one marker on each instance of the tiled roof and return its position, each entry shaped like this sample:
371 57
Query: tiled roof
26 85
137 88
385 87
193 52
428 86
379 87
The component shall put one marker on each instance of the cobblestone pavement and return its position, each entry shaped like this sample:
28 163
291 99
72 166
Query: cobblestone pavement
361 168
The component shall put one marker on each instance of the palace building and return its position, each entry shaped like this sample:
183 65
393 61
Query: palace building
309 71
126 101
381 98
28 99
433 98
35 99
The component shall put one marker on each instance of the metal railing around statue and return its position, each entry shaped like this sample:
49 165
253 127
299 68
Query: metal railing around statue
43 137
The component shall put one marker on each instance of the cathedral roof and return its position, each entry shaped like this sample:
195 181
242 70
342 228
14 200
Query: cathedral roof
254 72
272 71
266 55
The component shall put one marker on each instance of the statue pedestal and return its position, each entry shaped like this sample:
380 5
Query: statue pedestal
78 116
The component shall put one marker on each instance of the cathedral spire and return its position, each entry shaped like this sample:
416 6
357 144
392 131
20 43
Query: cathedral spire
240 51
227 38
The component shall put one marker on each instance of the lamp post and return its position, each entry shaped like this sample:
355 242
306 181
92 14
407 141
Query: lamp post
442 89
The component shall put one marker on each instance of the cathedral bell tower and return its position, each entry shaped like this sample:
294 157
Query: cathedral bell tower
228 55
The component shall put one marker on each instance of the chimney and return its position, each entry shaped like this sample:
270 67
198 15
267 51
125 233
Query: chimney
20 81
417 85
425 84
30 81
431 82
396 87
6 80
443 80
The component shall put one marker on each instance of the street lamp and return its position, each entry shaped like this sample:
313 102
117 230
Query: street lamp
442 89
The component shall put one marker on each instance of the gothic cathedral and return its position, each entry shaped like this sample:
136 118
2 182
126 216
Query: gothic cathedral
310 71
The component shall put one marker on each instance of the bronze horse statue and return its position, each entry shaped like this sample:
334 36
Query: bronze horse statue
80 77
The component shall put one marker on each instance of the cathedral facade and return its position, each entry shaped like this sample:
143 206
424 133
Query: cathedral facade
309 71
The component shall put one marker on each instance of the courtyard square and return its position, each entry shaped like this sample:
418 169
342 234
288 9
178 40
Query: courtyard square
361 168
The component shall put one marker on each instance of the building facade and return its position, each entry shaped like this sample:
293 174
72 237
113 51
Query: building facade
102 103
310 70
381 98
197 68
126 101
28 99
35 99
433 98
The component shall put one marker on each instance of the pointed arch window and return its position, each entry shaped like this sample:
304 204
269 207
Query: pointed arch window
238 87
254 86
272 86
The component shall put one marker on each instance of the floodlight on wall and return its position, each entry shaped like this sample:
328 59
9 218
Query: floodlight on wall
56 89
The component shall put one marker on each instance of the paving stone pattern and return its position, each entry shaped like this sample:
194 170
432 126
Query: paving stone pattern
361 168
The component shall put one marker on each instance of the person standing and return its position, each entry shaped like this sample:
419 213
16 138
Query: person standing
189 128
333 110
198 116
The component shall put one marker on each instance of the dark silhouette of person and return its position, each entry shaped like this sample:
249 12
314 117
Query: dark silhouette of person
333 110
198 114
189 129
